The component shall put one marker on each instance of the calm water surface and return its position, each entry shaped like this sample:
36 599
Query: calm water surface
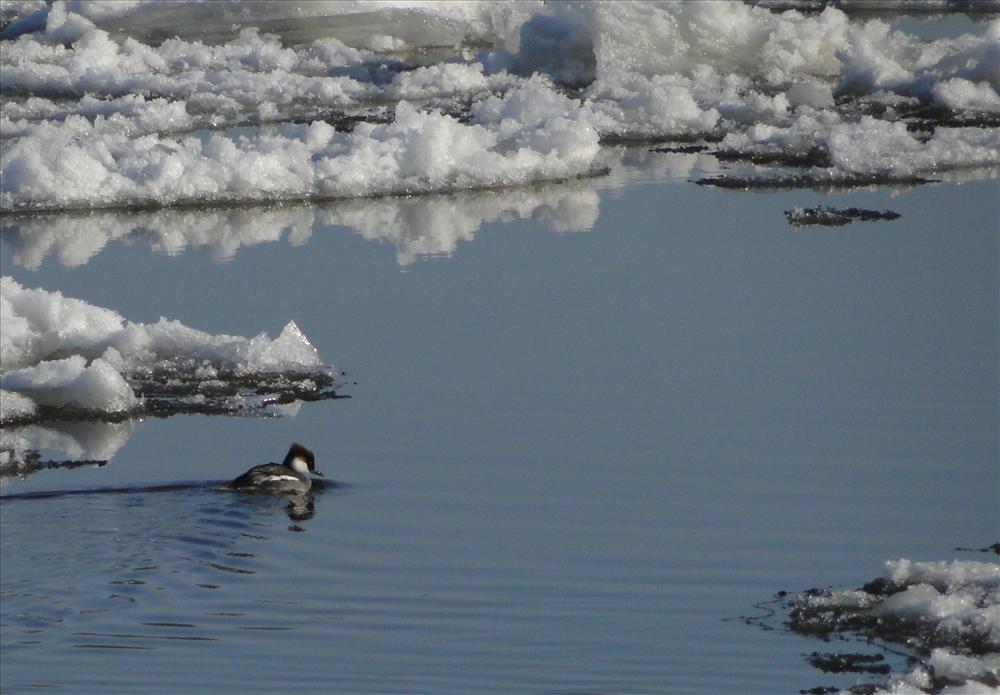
568 458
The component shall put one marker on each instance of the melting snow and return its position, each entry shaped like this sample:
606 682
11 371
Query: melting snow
102 111
71 357
947 612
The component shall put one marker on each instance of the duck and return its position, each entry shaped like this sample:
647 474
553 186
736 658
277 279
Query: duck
290 476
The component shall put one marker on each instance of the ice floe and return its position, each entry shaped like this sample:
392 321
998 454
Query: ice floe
103 110
835 217
418 152
62 357
946 613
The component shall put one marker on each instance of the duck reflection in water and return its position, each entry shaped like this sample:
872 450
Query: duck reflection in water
301 507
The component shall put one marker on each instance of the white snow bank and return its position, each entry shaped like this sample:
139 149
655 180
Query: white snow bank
959 93
250 74
877 147
65 353
129 115
873 146
648 39
418 152
96 89
944 576
251 68
39 325
949 603
232 80
670 69
73 383
956 668
656 38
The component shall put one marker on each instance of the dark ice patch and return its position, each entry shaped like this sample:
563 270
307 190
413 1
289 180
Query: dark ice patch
848 663
835 217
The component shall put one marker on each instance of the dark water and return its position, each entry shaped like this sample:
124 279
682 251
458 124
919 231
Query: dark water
568 461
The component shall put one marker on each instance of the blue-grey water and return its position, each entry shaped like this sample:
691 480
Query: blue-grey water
570 460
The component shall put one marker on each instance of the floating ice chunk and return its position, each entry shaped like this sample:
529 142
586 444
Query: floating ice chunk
529 106
754 107
869 147
944 576
922 600
418 152
97 361
657 107
666 109
291 350
801 45
72 383
15 406
879 58
448 79
956 668
130 115
961 94
872 60
656 38
799 139
948 612
63 26
326 54
248 70
948 673
39 325
879 147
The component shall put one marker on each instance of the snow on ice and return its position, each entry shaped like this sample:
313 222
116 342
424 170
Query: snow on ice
101 110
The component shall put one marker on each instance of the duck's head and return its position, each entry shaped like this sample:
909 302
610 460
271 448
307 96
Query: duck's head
301 460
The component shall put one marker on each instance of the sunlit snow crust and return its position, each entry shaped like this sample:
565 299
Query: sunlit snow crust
946 613
102 110
62 358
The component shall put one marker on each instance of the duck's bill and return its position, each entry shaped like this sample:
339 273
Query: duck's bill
319 474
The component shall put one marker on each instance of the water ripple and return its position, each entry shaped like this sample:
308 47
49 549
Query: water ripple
158 546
